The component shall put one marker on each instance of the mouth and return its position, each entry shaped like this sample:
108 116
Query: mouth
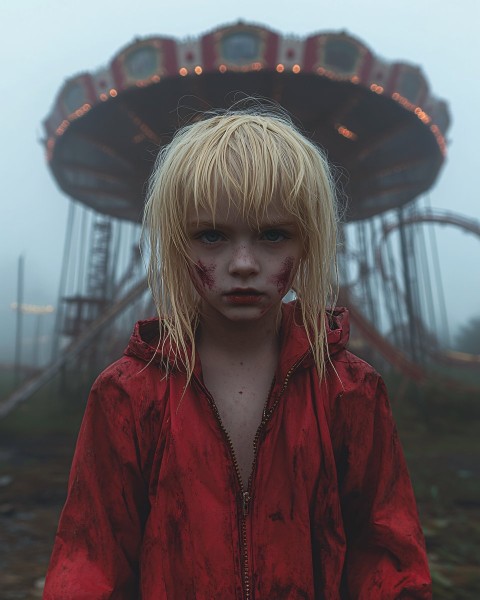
243 291
243 296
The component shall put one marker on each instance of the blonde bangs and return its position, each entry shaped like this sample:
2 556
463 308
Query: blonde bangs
249 160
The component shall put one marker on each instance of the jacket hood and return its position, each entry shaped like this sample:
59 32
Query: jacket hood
144 342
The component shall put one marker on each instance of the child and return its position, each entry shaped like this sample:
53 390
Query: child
238 450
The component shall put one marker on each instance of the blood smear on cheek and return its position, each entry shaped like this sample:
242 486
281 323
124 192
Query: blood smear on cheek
205 274
282 280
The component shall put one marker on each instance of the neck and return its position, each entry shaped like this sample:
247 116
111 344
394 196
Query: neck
238 339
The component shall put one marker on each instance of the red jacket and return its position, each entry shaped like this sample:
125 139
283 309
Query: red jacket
155 509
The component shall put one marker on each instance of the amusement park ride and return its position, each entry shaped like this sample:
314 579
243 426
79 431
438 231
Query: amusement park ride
382 129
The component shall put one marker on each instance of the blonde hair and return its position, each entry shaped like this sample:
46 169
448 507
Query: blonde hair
249 158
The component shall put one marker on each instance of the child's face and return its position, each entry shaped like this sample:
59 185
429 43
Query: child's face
242 272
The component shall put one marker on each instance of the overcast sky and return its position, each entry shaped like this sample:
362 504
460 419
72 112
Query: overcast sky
45 42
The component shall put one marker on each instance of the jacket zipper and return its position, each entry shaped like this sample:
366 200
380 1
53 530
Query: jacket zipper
246 494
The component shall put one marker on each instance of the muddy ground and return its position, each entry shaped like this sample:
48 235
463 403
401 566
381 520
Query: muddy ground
441 439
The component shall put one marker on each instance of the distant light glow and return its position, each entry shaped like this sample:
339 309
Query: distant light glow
50 147
378 89
296 68
76 114
332 75
280 68
33 309
62 127
440 139
425 118
198 70
403 101
347 133
422 115
183 71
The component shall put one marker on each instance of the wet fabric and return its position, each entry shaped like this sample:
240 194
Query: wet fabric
155 509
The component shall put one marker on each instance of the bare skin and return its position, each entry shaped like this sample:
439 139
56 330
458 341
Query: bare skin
241 275
239 379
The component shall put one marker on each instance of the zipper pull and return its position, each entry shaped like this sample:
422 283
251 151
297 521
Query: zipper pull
245 503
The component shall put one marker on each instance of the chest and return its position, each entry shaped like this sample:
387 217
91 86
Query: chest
240 398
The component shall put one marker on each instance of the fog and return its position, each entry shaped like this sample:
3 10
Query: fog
43 43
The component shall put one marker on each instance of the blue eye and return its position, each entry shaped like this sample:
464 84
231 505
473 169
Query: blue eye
274 235
210 237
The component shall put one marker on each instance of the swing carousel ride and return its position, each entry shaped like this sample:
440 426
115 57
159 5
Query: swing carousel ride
383 131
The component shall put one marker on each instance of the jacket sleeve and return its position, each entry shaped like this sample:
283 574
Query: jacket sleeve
97 545
386 557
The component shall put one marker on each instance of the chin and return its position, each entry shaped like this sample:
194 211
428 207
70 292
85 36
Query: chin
248 313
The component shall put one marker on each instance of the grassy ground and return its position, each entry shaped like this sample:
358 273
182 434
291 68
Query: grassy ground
440 435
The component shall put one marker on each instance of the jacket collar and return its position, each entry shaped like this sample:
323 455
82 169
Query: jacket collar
294 340
144 343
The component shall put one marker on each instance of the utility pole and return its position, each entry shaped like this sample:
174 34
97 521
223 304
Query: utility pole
19 321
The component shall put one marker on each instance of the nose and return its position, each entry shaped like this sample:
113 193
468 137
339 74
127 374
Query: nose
243 261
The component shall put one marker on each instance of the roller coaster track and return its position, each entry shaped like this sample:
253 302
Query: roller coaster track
442 217
78 345
402 362
398 359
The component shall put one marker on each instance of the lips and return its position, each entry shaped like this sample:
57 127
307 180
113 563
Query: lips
243 296
243 291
